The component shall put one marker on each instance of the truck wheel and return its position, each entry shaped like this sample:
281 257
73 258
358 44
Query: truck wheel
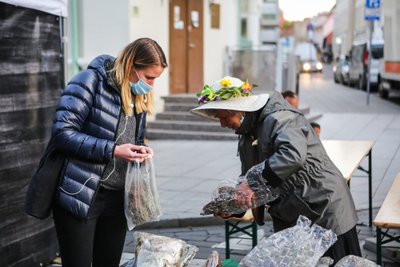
383 92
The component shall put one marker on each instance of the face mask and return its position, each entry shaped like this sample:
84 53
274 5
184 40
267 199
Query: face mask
141 87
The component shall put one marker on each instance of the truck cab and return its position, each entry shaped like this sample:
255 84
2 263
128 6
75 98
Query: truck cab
390 66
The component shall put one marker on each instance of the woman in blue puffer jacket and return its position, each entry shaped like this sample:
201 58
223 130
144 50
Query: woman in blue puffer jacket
99 126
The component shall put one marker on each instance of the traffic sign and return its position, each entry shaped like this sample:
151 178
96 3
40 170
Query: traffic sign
372 3
372 9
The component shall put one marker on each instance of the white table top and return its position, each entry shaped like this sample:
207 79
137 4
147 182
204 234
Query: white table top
389 213
347 155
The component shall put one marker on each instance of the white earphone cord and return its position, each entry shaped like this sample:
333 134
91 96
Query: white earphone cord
95 178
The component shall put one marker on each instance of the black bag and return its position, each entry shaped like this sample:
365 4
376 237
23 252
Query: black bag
44 182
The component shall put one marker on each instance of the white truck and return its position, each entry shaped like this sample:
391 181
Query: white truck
390 62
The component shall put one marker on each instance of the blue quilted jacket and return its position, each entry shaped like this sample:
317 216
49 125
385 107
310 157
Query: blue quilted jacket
84 129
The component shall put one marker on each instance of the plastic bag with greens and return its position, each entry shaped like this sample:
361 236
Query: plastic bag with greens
141 196
224 198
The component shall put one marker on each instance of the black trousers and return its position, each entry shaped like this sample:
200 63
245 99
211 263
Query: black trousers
346 244
97 241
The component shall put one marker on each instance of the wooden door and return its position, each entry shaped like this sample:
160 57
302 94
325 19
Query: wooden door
195 44
186 46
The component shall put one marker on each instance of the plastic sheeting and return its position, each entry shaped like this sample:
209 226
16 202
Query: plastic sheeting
55 7
301 246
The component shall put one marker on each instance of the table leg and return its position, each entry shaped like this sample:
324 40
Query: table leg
370 186
378 246
227 236
254 237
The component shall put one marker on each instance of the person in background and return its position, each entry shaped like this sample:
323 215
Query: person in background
291 98
316 127
99 126
278 136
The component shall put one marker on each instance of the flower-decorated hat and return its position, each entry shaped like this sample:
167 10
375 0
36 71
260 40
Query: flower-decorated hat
229 93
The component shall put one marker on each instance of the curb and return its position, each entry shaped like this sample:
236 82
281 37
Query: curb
182 222
198 221
189 222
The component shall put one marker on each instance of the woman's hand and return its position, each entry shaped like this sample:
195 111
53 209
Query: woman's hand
244 196
147 150
130 152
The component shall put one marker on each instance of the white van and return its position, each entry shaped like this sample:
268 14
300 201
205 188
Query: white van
308 57
358 72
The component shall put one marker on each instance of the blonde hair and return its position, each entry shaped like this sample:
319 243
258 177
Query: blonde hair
140 54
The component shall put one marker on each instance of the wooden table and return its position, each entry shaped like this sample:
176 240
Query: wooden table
388 217
347 156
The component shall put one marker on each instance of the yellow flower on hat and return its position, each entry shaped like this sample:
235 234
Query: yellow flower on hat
246 87
226 83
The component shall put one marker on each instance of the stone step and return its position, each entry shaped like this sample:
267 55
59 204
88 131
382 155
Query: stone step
179 116
180 125
181 98
157 134
180 107
176 122
188 126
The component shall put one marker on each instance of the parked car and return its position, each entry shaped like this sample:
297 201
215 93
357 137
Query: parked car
341 70
308 57
359 67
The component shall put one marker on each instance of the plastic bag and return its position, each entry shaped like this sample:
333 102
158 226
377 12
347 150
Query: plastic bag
224 198
161 251
300 245
355 261
141 196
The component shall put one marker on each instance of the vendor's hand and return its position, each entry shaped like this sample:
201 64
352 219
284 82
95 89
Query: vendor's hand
244 196
130 152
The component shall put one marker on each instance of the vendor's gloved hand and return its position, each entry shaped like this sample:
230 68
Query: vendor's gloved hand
244 197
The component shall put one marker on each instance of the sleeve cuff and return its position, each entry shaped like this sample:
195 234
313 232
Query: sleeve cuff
272 179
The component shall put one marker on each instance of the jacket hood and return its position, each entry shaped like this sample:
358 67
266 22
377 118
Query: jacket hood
276 103
103 65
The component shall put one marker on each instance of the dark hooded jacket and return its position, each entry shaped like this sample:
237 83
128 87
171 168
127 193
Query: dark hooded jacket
84 129
297 166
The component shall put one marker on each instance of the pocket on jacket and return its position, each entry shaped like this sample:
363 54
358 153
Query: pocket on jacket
289 209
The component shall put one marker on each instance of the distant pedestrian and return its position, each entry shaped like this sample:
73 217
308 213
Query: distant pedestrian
316 127
99 126
277 135
291 97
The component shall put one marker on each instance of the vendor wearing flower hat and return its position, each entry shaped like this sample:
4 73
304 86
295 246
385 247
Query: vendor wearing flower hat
295 162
